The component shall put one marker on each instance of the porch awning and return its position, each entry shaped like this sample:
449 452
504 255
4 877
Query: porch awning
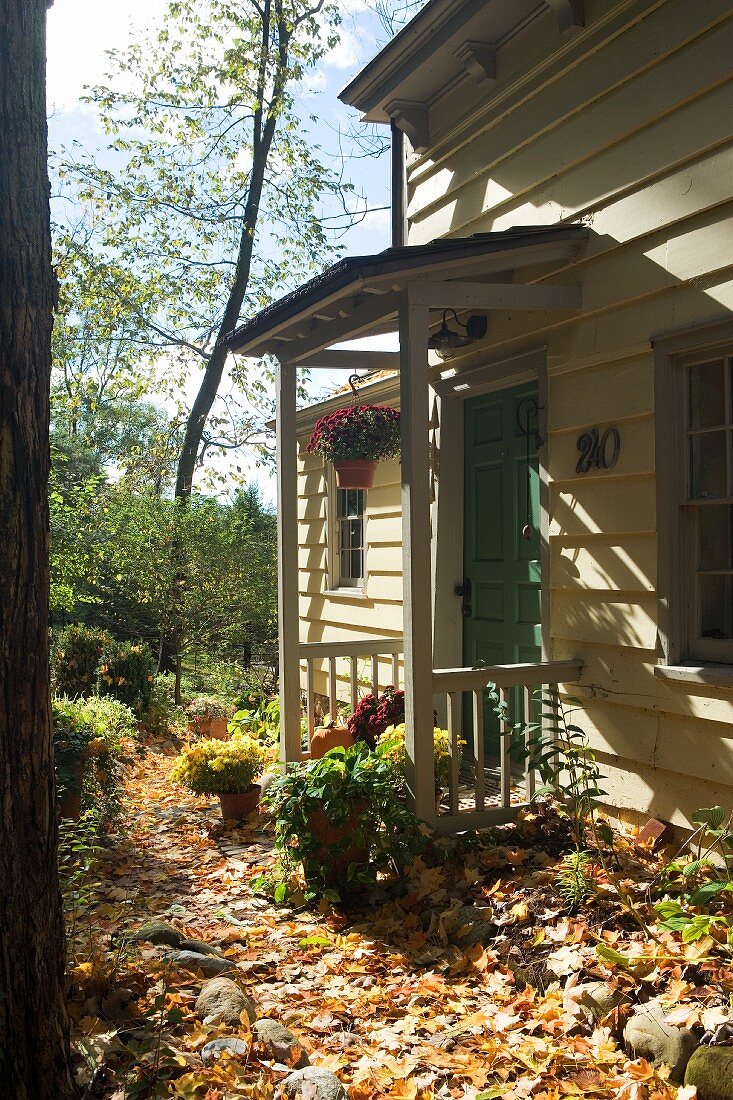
361 295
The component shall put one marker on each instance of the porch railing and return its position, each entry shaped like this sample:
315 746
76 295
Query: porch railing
484 790
371 654
497 793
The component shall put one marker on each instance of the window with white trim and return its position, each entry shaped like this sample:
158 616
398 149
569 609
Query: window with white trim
348 555
694 477
708 507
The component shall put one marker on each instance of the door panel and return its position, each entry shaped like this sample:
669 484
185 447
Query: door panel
501 480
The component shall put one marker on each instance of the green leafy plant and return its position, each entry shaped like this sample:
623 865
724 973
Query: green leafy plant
72 733
220 767
75 656
392 744
360 432
90 737
126 672
576 880
703 885
561 754
260 720
354 790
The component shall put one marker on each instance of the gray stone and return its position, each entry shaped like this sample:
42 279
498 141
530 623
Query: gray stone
648 1035
209 965
158 932
594 999
200 946
710 1070
222 1001
280 1043
313 1084
216 1046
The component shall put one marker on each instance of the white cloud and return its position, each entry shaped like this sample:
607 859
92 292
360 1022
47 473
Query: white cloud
79 33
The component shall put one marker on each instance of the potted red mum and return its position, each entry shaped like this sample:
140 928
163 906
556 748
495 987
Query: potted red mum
354 440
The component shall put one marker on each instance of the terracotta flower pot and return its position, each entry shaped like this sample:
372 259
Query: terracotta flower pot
236 806
329 737
200 729
356 473
69 800
330 835
69 804
218 728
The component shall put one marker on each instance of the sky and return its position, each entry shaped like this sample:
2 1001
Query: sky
81 31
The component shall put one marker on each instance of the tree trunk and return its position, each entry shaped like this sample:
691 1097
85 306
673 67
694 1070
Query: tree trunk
34 1032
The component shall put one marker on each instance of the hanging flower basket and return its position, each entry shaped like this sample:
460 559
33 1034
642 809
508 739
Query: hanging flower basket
355 440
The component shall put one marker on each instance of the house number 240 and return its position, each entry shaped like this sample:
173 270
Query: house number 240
598 452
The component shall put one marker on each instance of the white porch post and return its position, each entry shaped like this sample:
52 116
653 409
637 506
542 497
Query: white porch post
287 562
416 557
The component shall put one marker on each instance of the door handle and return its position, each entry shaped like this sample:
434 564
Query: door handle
465 590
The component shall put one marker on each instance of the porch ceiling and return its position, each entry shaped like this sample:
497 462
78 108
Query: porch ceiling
361 295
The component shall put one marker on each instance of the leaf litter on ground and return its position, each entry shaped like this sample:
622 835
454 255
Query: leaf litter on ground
449 985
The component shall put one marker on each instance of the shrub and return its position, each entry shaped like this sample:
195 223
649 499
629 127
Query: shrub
220 767
126 672
343 783
163 718
374 714
75 656
360 432
392 744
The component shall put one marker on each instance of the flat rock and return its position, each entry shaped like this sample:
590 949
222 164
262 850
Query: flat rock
280 1043
710 1070
594 999
158 932
313 1084
222 1001
216 1046
648 1035
199 946
209 965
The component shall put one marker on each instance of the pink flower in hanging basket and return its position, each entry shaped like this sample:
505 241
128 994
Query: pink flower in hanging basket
370 432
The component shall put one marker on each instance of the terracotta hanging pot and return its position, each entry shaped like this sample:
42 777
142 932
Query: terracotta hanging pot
357 473
329 737
235 806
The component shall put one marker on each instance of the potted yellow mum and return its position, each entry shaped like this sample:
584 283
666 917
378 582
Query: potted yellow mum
224 768
392 744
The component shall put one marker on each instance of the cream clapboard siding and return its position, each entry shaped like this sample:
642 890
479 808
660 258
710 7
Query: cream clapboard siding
625 128
327 615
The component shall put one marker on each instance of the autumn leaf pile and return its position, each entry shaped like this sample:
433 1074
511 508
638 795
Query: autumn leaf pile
453 984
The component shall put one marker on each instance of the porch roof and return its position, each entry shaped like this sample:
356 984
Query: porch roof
361 295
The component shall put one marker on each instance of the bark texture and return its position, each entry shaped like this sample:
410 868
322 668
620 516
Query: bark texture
34 1039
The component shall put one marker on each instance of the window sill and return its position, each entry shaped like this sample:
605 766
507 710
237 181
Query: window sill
718 676
346 593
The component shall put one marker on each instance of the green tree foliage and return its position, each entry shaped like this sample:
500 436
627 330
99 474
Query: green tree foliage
213 203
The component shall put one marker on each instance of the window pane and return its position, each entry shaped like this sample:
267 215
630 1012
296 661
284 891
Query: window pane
716 537
707 394
716 607
354 533
708 473
356 569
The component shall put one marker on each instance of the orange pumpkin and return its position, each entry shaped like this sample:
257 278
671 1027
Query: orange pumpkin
328 737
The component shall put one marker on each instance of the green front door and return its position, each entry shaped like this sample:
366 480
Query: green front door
502 540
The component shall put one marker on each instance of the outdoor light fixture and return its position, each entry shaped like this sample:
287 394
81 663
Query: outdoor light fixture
445 342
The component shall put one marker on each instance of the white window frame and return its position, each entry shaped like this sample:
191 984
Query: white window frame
677 520
336 582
